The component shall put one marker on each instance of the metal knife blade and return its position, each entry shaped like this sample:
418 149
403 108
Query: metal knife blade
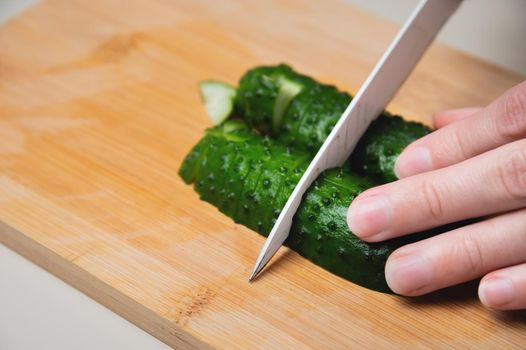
378 89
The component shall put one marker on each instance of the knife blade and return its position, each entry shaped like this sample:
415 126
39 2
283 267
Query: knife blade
378 89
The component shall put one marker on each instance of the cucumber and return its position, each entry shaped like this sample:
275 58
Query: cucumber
258 193
264 94
300 113
248 165
376 152
218 98
311 117
280 102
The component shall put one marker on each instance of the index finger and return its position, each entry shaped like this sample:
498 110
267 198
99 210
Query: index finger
501 122
490 183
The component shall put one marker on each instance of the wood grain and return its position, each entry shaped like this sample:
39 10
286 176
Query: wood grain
99 105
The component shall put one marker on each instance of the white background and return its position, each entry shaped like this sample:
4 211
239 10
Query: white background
38 311
494 30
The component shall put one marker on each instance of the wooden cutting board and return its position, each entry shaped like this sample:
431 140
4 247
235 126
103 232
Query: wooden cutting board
99 105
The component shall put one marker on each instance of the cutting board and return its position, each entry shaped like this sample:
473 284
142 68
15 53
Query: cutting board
99 105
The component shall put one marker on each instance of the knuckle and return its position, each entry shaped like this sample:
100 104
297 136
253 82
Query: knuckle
512 174
433 200
512 122
462 148
470 248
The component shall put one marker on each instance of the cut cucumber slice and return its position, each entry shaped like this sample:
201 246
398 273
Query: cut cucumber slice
288 89
218 98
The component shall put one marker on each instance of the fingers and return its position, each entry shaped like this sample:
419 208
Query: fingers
462 255
501 122
495 182
504 289
444 118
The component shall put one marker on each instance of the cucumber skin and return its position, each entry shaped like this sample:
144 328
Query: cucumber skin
257 93
319 231
261 186
376 152
313 113
308 119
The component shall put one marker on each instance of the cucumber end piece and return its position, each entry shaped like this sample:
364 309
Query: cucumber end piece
218 98
287 91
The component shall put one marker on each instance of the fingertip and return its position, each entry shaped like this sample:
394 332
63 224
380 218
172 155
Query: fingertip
369 216
412 161
496 292
408 273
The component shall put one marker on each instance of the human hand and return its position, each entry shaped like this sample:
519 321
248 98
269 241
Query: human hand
473 166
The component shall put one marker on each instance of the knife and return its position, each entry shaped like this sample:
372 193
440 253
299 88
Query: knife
378 89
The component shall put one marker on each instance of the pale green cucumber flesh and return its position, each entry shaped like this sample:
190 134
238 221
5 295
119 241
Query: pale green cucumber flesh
218 98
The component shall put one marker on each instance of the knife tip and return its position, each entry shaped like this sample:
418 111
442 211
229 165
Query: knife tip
253 276
255 272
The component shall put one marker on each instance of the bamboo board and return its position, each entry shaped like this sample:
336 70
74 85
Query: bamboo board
98 106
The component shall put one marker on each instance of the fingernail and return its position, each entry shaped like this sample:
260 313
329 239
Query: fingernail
496 292
408 274
369 216
413 161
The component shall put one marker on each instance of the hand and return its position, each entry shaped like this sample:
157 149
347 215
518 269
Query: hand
473 166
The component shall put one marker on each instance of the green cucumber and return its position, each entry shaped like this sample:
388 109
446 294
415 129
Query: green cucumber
278 101
319 231
300 113
311 117
248 168
218 98
264 94
376 152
